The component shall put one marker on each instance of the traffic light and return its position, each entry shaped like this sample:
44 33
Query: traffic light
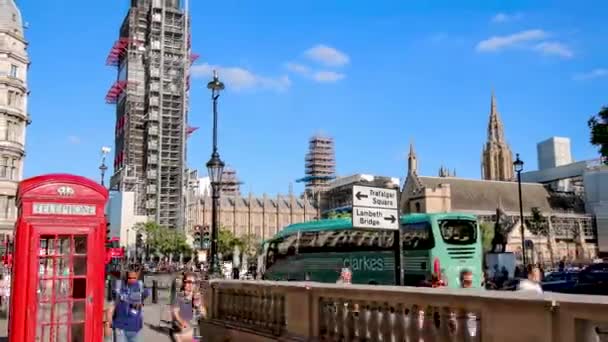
107 231
197 237
206 237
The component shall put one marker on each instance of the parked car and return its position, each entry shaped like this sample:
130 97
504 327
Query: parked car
592 280
560 281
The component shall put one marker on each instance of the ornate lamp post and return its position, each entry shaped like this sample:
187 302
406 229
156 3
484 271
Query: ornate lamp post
215 167
103 168
518 165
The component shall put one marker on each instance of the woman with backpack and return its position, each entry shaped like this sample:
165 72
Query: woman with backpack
125 316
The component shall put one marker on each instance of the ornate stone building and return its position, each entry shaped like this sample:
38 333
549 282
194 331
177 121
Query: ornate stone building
249 215
571 232
14 118
496 158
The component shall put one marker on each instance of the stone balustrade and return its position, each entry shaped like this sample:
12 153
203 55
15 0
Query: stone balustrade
297 311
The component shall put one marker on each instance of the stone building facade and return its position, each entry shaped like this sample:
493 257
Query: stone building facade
571 232
496 158
261 217
14 63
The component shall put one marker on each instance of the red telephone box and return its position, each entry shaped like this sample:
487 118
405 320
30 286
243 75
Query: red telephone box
57 290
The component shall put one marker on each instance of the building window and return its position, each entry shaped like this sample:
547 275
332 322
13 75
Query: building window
11 131
3 207
14 70
14 169
417 207
4 168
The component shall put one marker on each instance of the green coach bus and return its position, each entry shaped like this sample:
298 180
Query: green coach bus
432 244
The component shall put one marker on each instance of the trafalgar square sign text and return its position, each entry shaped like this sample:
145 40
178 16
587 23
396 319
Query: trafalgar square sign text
375 207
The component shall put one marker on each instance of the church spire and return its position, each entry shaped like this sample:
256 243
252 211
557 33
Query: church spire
495 129
412 160
496 158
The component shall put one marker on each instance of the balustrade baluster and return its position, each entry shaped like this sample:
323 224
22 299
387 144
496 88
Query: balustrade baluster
323 318
442 317
428 331
385 317
374 326
461 327
275 312
267 309
399 322
340 312
415 320
349 325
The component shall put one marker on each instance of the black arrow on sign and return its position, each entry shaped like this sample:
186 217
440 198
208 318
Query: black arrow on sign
359 195
392 218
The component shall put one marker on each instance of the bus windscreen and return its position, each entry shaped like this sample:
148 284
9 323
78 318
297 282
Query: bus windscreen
458 232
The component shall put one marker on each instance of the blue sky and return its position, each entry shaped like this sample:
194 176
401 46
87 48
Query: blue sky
372 76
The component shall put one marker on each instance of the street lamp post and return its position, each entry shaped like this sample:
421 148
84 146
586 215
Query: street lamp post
518 165
215 167
103 168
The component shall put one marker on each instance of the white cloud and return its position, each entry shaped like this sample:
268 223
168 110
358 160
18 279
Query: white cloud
505 18
595 73
240 79
298 68
497 43
327 76
554 48
327 55
74 140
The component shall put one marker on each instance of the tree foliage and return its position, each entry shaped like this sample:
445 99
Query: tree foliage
163 240
598 124
248 245
537 225
336 215
487 234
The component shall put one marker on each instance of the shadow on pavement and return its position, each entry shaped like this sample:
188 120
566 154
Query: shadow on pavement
158 329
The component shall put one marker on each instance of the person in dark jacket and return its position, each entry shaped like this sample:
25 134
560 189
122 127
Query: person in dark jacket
127 312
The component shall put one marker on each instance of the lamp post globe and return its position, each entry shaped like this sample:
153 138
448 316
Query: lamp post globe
518 166
215 85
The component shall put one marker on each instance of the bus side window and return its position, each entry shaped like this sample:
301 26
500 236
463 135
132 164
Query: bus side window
271 254
417 236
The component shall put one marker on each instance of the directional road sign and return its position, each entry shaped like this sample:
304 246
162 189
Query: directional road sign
367 196
375 218
375 207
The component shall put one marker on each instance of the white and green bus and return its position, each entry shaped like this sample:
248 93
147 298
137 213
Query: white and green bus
431 244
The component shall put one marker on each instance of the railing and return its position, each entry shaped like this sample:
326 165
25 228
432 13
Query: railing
328 312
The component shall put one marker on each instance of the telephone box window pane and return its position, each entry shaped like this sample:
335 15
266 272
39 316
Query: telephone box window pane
80 288
43 333
62 313
44 313
62 289
45 268
63 267
62 333
63 246
80 265
46 245
45 288
77 332
78 311
80 244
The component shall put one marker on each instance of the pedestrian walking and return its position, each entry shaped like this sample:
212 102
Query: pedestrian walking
185 308
125 316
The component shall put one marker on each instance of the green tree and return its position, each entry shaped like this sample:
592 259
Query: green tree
160 239
226 242
537 224
598 124
487 234
336 215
